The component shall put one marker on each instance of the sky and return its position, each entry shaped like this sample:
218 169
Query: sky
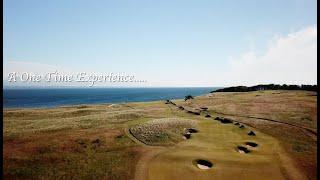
168 43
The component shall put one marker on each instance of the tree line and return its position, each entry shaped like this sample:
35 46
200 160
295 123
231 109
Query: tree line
267 87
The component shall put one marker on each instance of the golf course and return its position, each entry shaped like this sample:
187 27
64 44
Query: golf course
160 90
269 134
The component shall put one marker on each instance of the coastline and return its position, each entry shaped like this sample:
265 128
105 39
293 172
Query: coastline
52 98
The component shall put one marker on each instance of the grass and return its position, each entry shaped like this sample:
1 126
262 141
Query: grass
78 154
217 143
295 107
56 143
165 131
61 143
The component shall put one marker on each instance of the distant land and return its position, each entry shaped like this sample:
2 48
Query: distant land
267 87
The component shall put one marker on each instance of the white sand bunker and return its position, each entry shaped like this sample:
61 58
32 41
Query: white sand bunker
187 132
187 135
251 144
203 164
114 106
243 150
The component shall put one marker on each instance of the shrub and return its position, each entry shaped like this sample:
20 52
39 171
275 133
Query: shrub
188 97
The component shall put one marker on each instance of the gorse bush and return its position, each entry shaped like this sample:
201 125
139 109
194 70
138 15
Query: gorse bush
188 97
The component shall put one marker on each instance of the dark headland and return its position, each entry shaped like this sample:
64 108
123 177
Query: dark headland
267 87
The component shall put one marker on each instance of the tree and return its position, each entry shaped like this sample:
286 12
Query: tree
188 97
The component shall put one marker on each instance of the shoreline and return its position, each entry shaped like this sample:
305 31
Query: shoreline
48 98
128 102
75 105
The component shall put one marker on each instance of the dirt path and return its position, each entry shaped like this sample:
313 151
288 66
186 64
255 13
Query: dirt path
292 172
150 152
141 172
269 159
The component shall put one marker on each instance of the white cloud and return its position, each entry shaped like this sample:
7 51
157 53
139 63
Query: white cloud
291 60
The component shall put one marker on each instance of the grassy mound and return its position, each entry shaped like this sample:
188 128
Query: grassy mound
164 131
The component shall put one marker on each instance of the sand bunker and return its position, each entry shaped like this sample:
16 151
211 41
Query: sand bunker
114 105
204 108
226 121
203 164
187 135
242 150
187 132
218 118
251 133
192 130
180 107
251 144
223 120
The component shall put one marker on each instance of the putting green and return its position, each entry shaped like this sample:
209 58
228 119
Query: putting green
217 143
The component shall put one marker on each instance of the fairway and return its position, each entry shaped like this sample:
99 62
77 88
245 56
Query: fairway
160 90
217 143
256 135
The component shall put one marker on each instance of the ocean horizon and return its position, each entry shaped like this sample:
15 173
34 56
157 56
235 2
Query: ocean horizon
35 97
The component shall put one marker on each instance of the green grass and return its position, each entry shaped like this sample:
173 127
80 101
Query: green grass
56 143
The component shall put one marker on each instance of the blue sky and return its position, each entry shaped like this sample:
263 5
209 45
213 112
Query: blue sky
168 43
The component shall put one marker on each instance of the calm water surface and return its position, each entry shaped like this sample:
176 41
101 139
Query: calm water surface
18 98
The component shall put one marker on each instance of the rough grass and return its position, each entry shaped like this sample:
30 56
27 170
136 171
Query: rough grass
162 131
295 107
61 143
56 143
124 117
79 154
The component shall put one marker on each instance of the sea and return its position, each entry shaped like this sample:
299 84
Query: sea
53 97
